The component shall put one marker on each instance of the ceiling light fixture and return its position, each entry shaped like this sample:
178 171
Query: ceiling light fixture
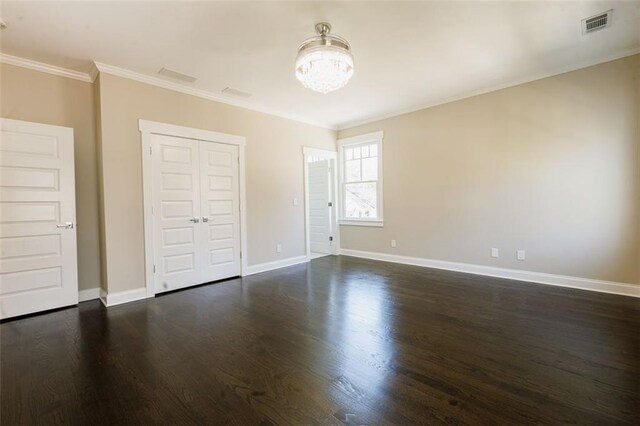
324 62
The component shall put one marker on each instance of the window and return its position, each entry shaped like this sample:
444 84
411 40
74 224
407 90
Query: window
361 179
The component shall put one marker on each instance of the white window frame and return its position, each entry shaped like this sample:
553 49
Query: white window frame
369 138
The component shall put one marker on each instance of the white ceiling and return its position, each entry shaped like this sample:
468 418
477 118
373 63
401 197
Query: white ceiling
407 54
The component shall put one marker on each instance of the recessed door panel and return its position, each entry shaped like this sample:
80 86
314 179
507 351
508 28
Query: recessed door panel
220 197
176 200
38 253
319 210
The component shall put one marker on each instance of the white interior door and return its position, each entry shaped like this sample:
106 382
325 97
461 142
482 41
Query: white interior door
319 207
38 254
220 211
176 212
196 212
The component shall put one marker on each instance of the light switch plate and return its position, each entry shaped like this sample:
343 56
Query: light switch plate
520 254
495 252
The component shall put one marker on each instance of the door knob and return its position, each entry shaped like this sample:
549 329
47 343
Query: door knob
205 219
194 220
66 225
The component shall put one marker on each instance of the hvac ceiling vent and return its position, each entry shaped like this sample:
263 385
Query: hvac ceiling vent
176 75
235 92
597 22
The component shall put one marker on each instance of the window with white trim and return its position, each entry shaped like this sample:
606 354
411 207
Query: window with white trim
361 179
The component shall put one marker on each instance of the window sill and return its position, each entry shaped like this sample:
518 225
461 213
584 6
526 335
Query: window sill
355 222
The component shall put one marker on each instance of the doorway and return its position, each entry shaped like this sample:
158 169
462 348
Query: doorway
194 206
322 236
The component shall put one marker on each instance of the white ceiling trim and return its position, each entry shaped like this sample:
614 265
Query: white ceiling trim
470 94
42 67
154 81
132 75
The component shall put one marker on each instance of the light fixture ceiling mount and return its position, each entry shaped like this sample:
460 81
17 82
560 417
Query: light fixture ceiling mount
324 62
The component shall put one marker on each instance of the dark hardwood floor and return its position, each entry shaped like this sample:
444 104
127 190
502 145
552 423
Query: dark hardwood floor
338 341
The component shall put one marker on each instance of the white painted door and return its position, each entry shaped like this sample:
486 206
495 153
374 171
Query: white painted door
220 203
176 212
196 212
319 207
38 253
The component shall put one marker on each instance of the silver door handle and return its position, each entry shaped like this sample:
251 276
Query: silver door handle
66 225
205 219
194 220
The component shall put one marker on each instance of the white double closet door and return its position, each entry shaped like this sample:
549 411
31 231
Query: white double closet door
196 212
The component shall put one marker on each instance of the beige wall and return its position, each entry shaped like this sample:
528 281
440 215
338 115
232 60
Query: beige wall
273 163
44 98
552 167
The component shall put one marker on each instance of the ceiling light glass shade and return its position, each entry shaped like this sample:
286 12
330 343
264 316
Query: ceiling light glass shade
325 62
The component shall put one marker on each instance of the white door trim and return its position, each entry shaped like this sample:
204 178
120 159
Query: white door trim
332 156
147 128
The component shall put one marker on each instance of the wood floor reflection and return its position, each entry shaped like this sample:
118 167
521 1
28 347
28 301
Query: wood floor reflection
337 341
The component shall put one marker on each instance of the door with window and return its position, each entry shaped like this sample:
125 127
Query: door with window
196 212
38 254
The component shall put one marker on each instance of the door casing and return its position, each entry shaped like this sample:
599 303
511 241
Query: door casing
148 128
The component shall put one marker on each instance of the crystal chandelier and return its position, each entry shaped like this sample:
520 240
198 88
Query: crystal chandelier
324 62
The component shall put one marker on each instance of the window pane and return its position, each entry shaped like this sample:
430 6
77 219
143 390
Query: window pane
356 152
373 150
348 153
352 171
370 168
365 151
360 200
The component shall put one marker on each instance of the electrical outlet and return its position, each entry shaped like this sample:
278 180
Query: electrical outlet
393 243
295 201
520 254
278 248
495 252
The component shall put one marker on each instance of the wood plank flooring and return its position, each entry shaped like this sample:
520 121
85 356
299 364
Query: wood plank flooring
337 341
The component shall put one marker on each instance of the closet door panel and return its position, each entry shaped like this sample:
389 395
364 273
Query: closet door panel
220 201
176 213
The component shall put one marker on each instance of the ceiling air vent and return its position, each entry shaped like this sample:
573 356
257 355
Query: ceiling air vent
176 75
235 92
597 22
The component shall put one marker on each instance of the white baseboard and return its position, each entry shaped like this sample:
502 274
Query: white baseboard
270 266
512 274
89 294
112 299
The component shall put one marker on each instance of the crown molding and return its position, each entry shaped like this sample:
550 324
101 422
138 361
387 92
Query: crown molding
93 72
42 67
97 67
154 81
470 94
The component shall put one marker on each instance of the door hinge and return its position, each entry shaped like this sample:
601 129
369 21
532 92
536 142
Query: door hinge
150 150
154 269
330 204
240 255
330 238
